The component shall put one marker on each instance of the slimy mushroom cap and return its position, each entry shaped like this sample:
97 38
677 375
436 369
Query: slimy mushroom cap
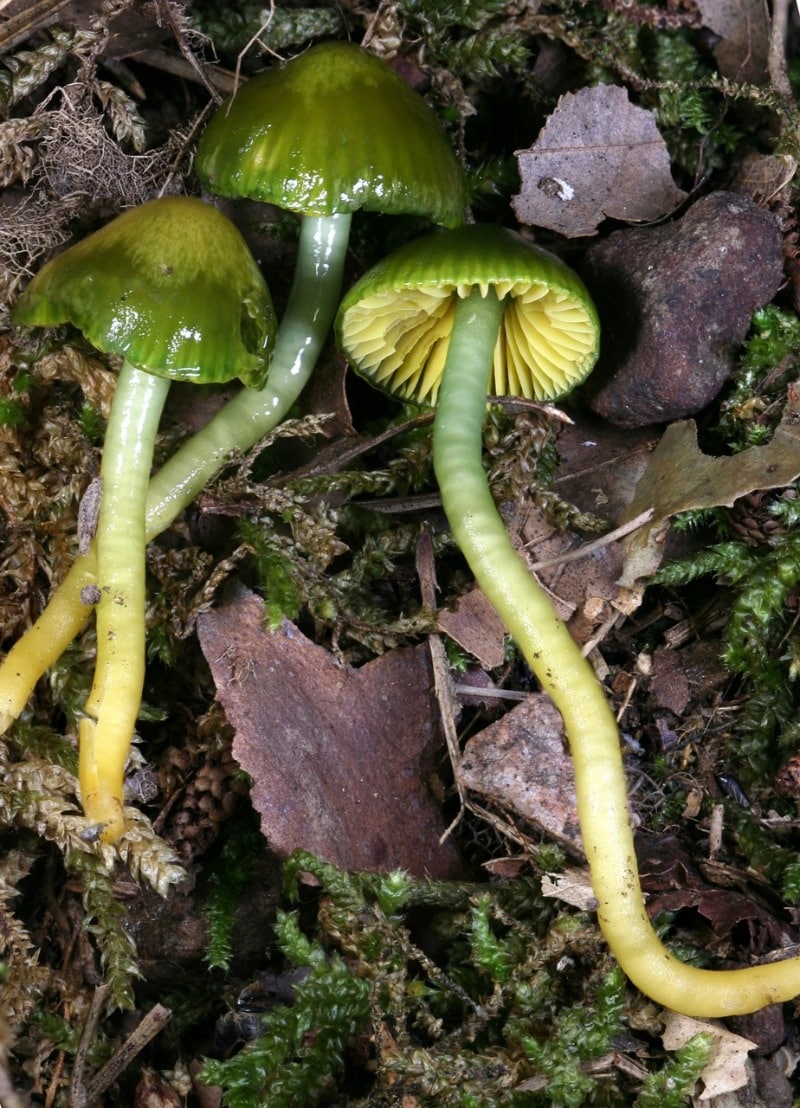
171 286
332 131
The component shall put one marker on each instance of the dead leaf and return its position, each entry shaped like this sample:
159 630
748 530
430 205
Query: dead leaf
726 1070
598 155
337 755
521 763
679 476
600 465
477 628
582 589
571 886
743 28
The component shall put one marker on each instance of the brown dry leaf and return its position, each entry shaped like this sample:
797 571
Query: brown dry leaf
598 155
476 627
582 589
679 476
337 755
743 28
572 885
521 763
726 1070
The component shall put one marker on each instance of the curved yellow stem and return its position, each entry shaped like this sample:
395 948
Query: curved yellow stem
566 676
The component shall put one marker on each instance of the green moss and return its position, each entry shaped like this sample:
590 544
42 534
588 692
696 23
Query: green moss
232 27
233 876
300 1054
675 1082
105 919
579 1038
471 1018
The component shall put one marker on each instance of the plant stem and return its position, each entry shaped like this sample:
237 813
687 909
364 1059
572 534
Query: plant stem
566 676
238 426
112 708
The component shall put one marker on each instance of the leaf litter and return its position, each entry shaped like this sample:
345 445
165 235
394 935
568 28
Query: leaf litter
597 157
338 756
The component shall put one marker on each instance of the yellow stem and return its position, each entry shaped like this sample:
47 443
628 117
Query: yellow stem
566 676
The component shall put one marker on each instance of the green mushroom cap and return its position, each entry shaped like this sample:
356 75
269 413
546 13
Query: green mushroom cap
332 131
170 286
395 323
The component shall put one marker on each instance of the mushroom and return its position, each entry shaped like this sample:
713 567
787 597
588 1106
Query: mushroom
332 131
171 288
434 323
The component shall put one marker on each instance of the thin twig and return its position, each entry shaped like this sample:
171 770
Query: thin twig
442 683
151 1025
18 28
77 1089
251 41
165 8
597 544
776 57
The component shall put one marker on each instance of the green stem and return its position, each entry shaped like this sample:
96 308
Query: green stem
112 708
253 413
569 680
239 425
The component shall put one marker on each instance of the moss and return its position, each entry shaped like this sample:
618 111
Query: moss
477 1015
230 882
675 1082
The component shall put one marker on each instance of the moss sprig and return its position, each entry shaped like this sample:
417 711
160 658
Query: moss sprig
23 73
232 26
232 877
485 1014
578 1040
470 37
105 920
23 978
670 1086
299 1055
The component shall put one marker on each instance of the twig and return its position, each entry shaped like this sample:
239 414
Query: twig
215 78
442 683
253 39
77 1090
776 57
597 544
18 28
151 1025
84 1094
165 9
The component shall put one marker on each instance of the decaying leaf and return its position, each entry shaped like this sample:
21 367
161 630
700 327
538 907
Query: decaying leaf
582 589
726 1070
572 885
476 627
743 29
679 476
521 763
598 155
337 755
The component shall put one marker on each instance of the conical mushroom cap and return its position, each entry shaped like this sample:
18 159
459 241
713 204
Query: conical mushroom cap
332 131
171 286
394 325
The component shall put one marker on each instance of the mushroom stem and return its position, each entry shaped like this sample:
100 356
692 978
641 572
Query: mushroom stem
566 676
112 707
252 413
238 426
